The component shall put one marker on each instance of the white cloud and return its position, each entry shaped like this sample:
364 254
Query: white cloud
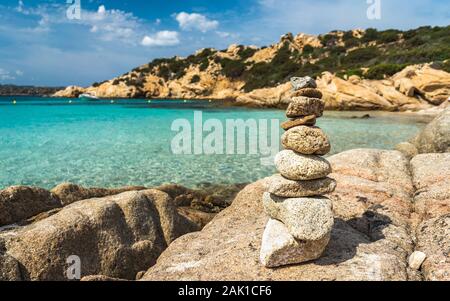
107 25
6 75
161 38
157 21
113 24
227 35
195 21
20 6
101 10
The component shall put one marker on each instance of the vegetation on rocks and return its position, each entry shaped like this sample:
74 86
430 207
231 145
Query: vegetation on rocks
369 54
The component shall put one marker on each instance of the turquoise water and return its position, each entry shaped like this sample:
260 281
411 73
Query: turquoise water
44 142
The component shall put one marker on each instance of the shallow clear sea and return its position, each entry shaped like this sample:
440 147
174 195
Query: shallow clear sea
44 141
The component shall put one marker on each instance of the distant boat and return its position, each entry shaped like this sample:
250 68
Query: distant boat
88 96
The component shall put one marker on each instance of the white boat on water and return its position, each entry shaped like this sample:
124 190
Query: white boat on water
88 96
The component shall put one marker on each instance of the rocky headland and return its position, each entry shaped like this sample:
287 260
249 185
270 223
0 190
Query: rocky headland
355 70
391 214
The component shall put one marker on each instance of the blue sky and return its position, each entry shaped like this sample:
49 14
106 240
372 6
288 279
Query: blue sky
40 45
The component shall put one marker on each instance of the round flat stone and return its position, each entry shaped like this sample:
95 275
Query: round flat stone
306 140
303 106
303 120
295 166
282 187
305 218
307 92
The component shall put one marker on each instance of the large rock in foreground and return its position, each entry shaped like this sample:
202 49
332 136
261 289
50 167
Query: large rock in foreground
228 248
431 176
115 236
435 138
21 202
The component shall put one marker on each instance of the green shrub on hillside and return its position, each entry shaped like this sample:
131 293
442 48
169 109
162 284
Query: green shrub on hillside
382 70
388 36
370 35
246 53
361 56
416 41
348 35
307 50
338 50
195 79
353 42
350 72
164 72
393 50
204 64
446 66
328 40
231 68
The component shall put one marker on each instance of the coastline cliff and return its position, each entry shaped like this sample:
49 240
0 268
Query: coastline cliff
356 70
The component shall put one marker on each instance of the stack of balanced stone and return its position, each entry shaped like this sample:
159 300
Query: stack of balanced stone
301 219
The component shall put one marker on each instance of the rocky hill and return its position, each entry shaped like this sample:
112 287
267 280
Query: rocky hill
363 70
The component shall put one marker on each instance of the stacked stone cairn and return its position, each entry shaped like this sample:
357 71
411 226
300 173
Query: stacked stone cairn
301 219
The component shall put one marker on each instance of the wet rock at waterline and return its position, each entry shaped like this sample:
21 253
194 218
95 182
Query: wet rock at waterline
115 236
21 202
69 193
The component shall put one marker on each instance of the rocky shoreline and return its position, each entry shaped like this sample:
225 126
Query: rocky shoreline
415 88
391 210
